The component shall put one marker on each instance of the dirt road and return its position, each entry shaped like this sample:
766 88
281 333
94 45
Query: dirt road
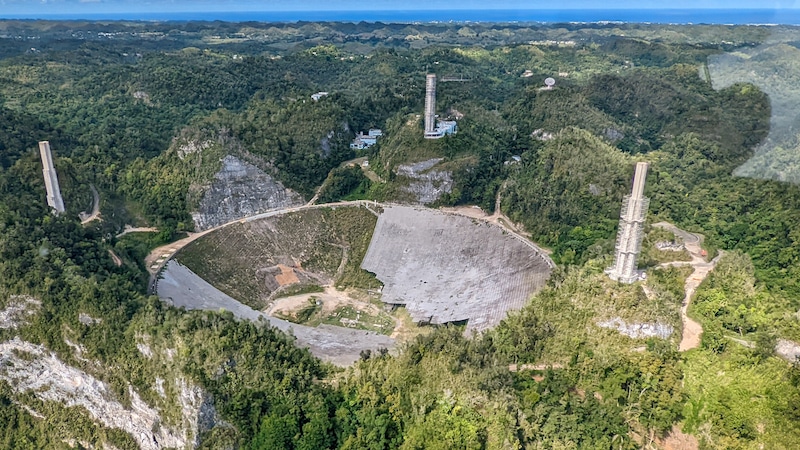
692 331
129 229
369 173
499 219
95 214
115 258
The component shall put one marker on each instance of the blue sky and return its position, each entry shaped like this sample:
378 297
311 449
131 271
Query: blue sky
88 6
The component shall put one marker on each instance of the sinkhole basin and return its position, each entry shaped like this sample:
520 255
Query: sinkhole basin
442 267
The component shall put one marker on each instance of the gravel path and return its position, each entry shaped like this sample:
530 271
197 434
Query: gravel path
692 330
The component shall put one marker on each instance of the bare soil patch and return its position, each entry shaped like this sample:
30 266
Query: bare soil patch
331 299
287 276
350 309
129 229
95 212
469 211
678 440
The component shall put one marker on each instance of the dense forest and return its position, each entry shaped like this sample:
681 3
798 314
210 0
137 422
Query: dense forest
120 101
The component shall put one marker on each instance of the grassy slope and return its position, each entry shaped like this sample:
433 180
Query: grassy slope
314 240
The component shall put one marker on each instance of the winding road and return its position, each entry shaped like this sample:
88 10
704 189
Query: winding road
95 214
692 330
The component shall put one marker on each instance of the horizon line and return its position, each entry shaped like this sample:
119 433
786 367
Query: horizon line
568 8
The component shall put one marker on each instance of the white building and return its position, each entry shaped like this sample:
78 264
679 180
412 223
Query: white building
363 141
443 128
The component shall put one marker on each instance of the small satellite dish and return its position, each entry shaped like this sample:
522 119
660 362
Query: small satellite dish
549 82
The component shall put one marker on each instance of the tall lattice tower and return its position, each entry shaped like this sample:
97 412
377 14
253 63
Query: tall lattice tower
631 230
50 178
430 103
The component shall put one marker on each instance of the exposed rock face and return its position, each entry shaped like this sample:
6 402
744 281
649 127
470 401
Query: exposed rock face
31 368
638 330
51 380
239 190
19 308
191 147
788 350
203 416
427 185
87 319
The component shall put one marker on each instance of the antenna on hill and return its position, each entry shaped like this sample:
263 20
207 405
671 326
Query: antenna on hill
549 82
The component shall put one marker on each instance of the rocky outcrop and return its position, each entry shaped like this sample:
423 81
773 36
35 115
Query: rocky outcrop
426 185
87 319
18 308
191 147
238 190
638 330
788 350
32 368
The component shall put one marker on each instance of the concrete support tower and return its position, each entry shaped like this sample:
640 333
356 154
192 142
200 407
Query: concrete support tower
430 103
631 230
50 178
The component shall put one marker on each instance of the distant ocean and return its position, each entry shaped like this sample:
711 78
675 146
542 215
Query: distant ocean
680 16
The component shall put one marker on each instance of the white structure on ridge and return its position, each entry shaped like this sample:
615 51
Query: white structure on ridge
430 103
435 129
363 141
631 230
50 178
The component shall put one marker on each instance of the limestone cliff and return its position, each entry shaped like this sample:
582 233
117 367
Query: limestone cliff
240 189
425 183
34 372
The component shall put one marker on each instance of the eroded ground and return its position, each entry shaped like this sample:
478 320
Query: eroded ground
350 309
342 346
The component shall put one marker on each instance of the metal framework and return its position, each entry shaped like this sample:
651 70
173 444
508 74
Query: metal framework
430 103
50 178
631 230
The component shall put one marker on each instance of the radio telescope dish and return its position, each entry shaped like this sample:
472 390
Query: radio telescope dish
549 82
